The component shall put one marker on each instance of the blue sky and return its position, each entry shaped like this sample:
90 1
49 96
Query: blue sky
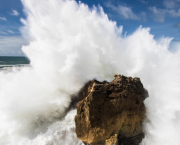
162 16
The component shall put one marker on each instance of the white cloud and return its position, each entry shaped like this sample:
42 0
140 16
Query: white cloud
169 4
174 13
10 31
15 13
126 12
144 1
11 45
3 19
177 25
123 11
143 16
158 14
2 32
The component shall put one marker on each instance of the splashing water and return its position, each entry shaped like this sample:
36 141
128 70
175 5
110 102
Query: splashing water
69 45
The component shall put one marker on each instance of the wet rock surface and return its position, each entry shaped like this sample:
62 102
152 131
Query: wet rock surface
111 113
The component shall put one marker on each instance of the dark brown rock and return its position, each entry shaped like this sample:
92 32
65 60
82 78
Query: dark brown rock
111 113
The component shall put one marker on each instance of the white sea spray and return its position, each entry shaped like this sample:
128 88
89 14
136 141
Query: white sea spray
69 45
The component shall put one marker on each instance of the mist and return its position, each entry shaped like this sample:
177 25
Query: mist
69 44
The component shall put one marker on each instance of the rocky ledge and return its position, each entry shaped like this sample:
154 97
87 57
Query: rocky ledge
111 113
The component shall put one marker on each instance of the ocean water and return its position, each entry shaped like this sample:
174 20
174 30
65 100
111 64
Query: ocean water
69 44
13 60
10 63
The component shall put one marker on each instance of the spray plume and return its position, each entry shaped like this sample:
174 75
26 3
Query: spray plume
69 45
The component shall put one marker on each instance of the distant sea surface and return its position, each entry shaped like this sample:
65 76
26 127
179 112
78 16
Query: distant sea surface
9 62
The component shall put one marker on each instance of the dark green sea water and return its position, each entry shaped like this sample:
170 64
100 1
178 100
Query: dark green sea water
13 60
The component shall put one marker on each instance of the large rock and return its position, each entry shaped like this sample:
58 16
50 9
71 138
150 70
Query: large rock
111 113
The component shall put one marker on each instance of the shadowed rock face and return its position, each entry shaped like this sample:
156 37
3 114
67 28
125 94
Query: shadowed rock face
111 113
